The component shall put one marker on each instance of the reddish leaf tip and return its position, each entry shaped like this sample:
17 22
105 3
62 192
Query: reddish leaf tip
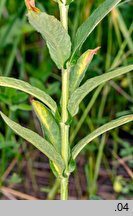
30 4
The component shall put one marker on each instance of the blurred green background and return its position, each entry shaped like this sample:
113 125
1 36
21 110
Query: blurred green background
105 168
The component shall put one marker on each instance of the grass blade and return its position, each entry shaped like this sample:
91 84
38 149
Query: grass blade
2 4
124 29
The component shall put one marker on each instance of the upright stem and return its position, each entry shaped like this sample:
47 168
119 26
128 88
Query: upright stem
64 115
64 126
64 14
64 189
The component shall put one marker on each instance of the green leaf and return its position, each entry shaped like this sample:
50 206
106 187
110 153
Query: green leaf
24 107
57 38
124 29
26 87
109 126
71 165
40 143
79 94
88 26
52 129
78 72
53 168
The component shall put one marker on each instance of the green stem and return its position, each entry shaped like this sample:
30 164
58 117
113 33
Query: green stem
64 188
65 132
64 14
64 104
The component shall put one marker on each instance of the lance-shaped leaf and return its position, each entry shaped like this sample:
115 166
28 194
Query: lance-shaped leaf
51 127
109 126
57 38
79 94
40 143
26 87
78 71
88 26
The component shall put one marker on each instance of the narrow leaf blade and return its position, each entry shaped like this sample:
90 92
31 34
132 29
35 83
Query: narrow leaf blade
36 140
26 87
107 127
57 38
52 129
77 73
79 94
88 26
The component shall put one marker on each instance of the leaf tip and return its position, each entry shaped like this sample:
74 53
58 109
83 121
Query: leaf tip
30 4
4 117
1 113
96 50
90 54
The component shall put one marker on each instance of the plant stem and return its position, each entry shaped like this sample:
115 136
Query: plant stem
64 188
64 132
65 95
64 14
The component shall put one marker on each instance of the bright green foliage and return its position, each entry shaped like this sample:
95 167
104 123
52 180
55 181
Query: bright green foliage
77 73
88 26
109 126
26 87
36 140
57 39
79 94
51 127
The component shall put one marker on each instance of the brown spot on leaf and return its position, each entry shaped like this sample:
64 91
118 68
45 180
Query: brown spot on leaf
30 4
91 54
